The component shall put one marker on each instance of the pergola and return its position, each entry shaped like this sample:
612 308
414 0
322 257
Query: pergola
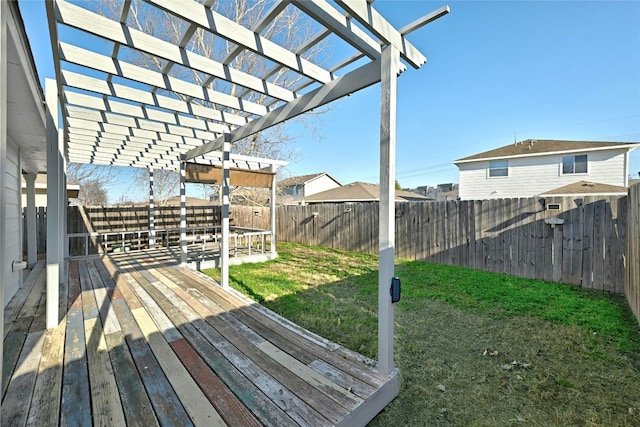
117 113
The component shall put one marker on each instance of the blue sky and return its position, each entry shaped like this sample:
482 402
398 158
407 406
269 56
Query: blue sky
497 70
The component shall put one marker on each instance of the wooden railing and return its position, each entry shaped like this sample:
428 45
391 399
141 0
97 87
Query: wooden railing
84 244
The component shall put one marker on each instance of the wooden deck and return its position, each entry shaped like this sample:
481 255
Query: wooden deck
144 342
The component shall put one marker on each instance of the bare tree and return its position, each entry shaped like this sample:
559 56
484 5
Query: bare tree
166 183
92 193
290 29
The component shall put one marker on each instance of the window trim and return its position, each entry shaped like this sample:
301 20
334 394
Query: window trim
494 168
574 162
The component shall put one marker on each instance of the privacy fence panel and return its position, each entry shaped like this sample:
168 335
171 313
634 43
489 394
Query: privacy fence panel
563 239
632 278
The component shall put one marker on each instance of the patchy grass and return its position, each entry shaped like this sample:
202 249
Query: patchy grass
474 348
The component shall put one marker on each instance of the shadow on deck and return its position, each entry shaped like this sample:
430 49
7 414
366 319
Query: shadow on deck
144 342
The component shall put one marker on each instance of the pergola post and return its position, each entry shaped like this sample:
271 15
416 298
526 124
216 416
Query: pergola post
63 248
152 213
53 204
32 232
224 246
4 12
272 212
390 66
183 212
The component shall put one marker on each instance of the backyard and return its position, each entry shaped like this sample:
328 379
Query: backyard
473 348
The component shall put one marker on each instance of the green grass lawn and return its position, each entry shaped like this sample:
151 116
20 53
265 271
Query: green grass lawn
474 348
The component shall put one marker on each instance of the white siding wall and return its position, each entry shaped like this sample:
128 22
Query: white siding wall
322 183
12 236
530 176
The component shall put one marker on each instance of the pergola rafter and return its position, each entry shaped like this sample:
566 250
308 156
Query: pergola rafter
116 112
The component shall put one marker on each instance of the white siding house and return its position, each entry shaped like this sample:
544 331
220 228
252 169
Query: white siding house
12 233
296 188
534 167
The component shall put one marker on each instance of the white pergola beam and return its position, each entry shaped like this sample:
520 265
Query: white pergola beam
336 89
209 20
421 22
78 17
332 19
143 124
126 131
102 103
264 21
363 12
104 87
115 67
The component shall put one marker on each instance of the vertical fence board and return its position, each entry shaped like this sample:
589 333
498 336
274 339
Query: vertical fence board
598 245
632 249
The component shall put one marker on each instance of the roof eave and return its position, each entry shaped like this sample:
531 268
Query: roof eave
628 147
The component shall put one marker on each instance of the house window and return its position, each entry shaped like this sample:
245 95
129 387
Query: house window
498 168
574 164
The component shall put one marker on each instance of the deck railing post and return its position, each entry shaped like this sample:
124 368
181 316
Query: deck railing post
272 213
152 213
390 65
183 212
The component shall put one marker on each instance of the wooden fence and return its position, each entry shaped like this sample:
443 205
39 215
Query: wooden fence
597 244
511 236
632 279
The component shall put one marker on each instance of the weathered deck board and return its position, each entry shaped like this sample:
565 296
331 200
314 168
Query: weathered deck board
15 405
195 402
76 403
14 306
47 393
143 342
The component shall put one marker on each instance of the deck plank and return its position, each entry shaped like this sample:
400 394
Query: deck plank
241 375
105 400
195 402
168 408
13 344
225 402
45 405
303 401
15 406
136 405
76 405
89 305
105 309
289 340
14 306
145 342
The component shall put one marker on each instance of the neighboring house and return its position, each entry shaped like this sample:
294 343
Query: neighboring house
297 188
22 141
534 167
360 192
441 192
41 191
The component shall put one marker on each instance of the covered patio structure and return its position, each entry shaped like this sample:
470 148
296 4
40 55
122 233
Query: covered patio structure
141 338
